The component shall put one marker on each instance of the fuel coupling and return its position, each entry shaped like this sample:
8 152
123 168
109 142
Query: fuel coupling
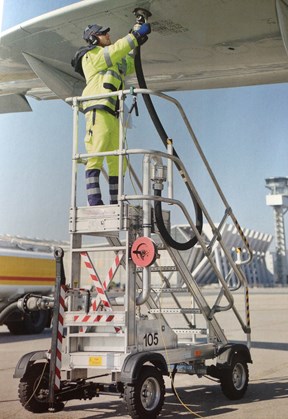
32 302
158 175
142 16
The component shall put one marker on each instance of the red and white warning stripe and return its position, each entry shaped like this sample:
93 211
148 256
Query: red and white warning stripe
98 285
60 338
101 297
99 318
112 271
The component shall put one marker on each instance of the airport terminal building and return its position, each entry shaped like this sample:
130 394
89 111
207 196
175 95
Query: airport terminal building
259 272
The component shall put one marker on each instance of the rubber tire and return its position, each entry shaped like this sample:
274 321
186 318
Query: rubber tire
32 323
234 380
134 395
28 384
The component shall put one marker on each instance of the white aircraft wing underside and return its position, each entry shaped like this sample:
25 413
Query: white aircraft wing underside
193 45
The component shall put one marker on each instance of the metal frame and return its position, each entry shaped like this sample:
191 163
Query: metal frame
145 325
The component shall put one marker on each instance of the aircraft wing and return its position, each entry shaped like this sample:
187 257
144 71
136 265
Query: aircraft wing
194 44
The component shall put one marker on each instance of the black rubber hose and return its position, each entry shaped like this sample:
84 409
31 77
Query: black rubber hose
5 313
163 135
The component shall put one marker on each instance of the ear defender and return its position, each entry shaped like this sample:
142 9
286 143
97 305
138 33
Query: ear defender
93 40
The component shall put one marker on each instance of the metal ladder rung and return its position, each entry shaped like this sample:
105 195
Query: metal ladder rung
96 334
160 269
190 331
175 310
171 290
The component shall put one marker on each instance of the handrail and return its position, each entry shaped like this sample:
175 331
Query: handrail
135 91
171 201
238 272
122 152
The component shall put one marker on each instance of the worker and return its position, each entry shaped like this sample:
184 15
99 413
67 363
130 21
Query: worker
104 66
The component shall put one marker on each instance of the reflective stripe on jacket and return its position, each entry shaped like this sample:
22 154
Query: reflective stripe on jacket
105 70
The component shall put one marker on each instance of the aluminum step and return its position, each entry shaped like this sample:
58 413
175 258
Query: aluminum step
175 311
171 290
181 331
160 269
95 220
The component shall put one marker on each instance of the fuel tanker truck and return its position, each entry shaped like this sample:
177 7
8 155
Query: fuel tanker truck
27 267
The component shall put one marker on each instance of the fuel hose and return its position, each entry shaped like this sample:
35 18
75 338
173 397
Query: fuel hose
168 239
5 313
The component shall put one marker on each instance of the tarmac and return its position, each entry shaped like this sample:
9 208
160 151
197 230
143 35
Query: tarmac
266 396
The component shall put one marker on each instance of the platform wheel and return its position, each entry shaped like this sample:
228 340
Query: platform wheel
145 399
33 389
234 380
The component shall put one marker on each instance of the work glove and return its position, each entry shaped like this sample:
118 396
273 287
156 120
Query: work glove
141 33
144 29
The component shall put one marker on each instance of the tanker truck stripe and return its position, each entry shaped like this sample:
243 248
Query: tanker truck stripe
27 267
27 280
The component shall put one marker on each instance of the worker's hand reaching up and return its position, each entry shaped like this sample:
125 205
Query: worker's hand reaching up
144 29
141 33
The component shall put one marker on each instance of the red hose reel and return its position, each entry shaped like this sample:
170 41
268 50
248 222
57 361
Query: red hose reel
144 252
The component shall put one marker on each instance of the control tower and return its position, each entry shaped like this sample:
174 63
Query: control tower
278 199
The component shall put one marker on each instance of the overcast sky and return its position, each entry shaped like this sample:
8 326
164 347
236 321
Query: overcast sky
243 132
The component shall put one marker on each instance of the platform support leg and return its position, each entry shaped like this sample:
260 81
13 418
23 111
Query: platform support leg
57 329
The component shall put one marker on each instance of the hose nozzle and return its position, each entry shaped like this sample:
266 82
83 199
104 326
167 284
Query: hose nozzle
142 15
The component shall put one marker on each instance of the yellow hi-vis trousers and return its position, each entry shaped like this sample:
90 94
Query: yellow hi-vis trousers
102 134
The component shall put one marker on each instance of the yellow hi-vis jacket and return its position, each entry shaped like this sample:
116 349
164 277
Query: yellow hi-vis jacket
105 69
